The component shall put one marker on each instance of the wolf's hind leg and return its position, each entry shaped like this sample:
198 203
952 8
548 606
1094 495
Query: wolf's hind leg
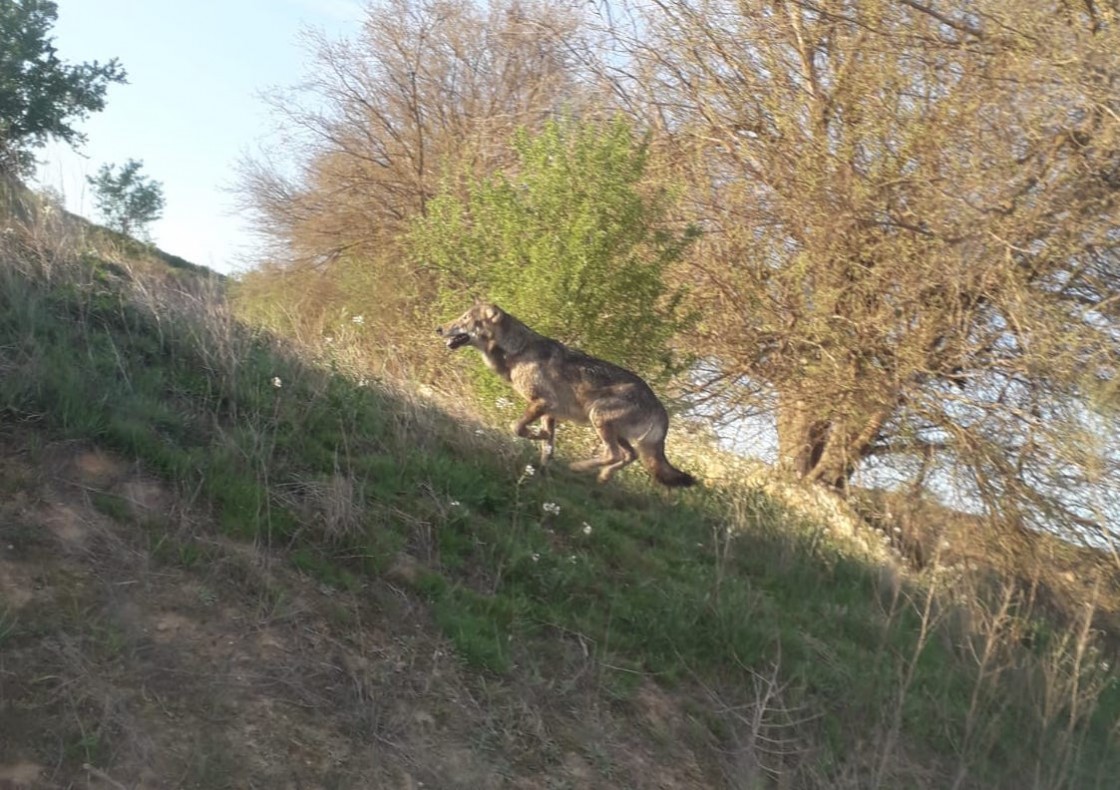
588 464
617 453
621 455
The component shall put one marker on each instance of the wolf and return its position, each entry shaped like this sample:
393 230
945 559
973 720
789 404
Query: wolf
564 384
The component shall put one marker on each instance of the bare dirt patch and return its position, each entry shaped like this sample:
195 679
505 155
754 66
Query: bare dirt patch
16 584
94 467
19 775
70 524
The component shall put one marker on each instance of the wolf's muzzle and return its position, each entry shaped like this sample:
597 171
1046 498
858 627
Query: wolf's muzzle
457 340
454 339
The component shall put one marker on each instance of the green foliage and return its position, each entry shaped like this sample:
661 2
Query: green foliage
40 95
569 241
128 201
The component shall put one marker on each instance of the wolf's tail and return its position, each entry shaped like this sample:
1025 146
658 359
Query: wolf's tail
654 460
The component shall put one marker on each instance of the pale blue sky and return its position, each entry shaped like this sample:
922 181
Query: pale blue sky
191 108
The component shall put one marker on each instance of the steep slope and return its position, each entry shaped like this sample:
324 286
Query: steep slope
227 563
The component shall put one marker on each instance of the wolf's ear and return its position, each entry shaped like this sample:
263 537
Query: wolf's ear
491 313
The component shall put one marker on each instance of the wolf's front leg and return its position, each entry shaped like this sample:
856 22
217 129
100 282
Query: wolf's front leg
534 412
538 410
548 443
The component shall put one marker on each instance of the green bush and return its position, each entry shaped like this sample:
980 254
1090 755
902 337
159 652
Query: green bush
569 240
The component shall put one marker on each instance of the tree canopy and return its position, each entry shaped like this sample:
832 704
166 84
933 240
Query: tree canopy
911 250
127 200
41 96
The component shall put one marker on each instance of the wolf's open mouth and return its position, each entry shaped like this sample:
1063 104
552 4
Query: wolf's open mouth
457 340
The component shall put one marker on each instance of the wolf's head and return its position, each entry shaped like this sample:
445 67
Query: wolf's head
475 327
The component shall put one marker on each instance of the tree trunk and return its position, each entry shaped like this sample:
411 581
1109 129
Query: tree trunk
824 447
801 438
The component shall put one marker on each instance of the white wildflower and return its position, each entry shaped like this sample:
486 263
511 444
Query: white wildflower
530 470
535 557
454 503
358 319
276 382
572 559
586 528
363 382
551 507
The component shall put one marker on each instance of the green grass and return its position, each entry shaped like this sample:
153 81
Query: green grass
642 579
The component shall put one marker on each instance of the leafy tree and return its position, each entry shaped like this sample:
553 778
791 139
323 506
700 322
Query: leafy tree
378 118
40 95
568 241
425 87
128 201
915 255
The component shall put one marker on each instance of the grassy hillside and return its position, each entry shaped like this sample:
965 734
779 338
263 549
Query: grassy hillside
226 559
